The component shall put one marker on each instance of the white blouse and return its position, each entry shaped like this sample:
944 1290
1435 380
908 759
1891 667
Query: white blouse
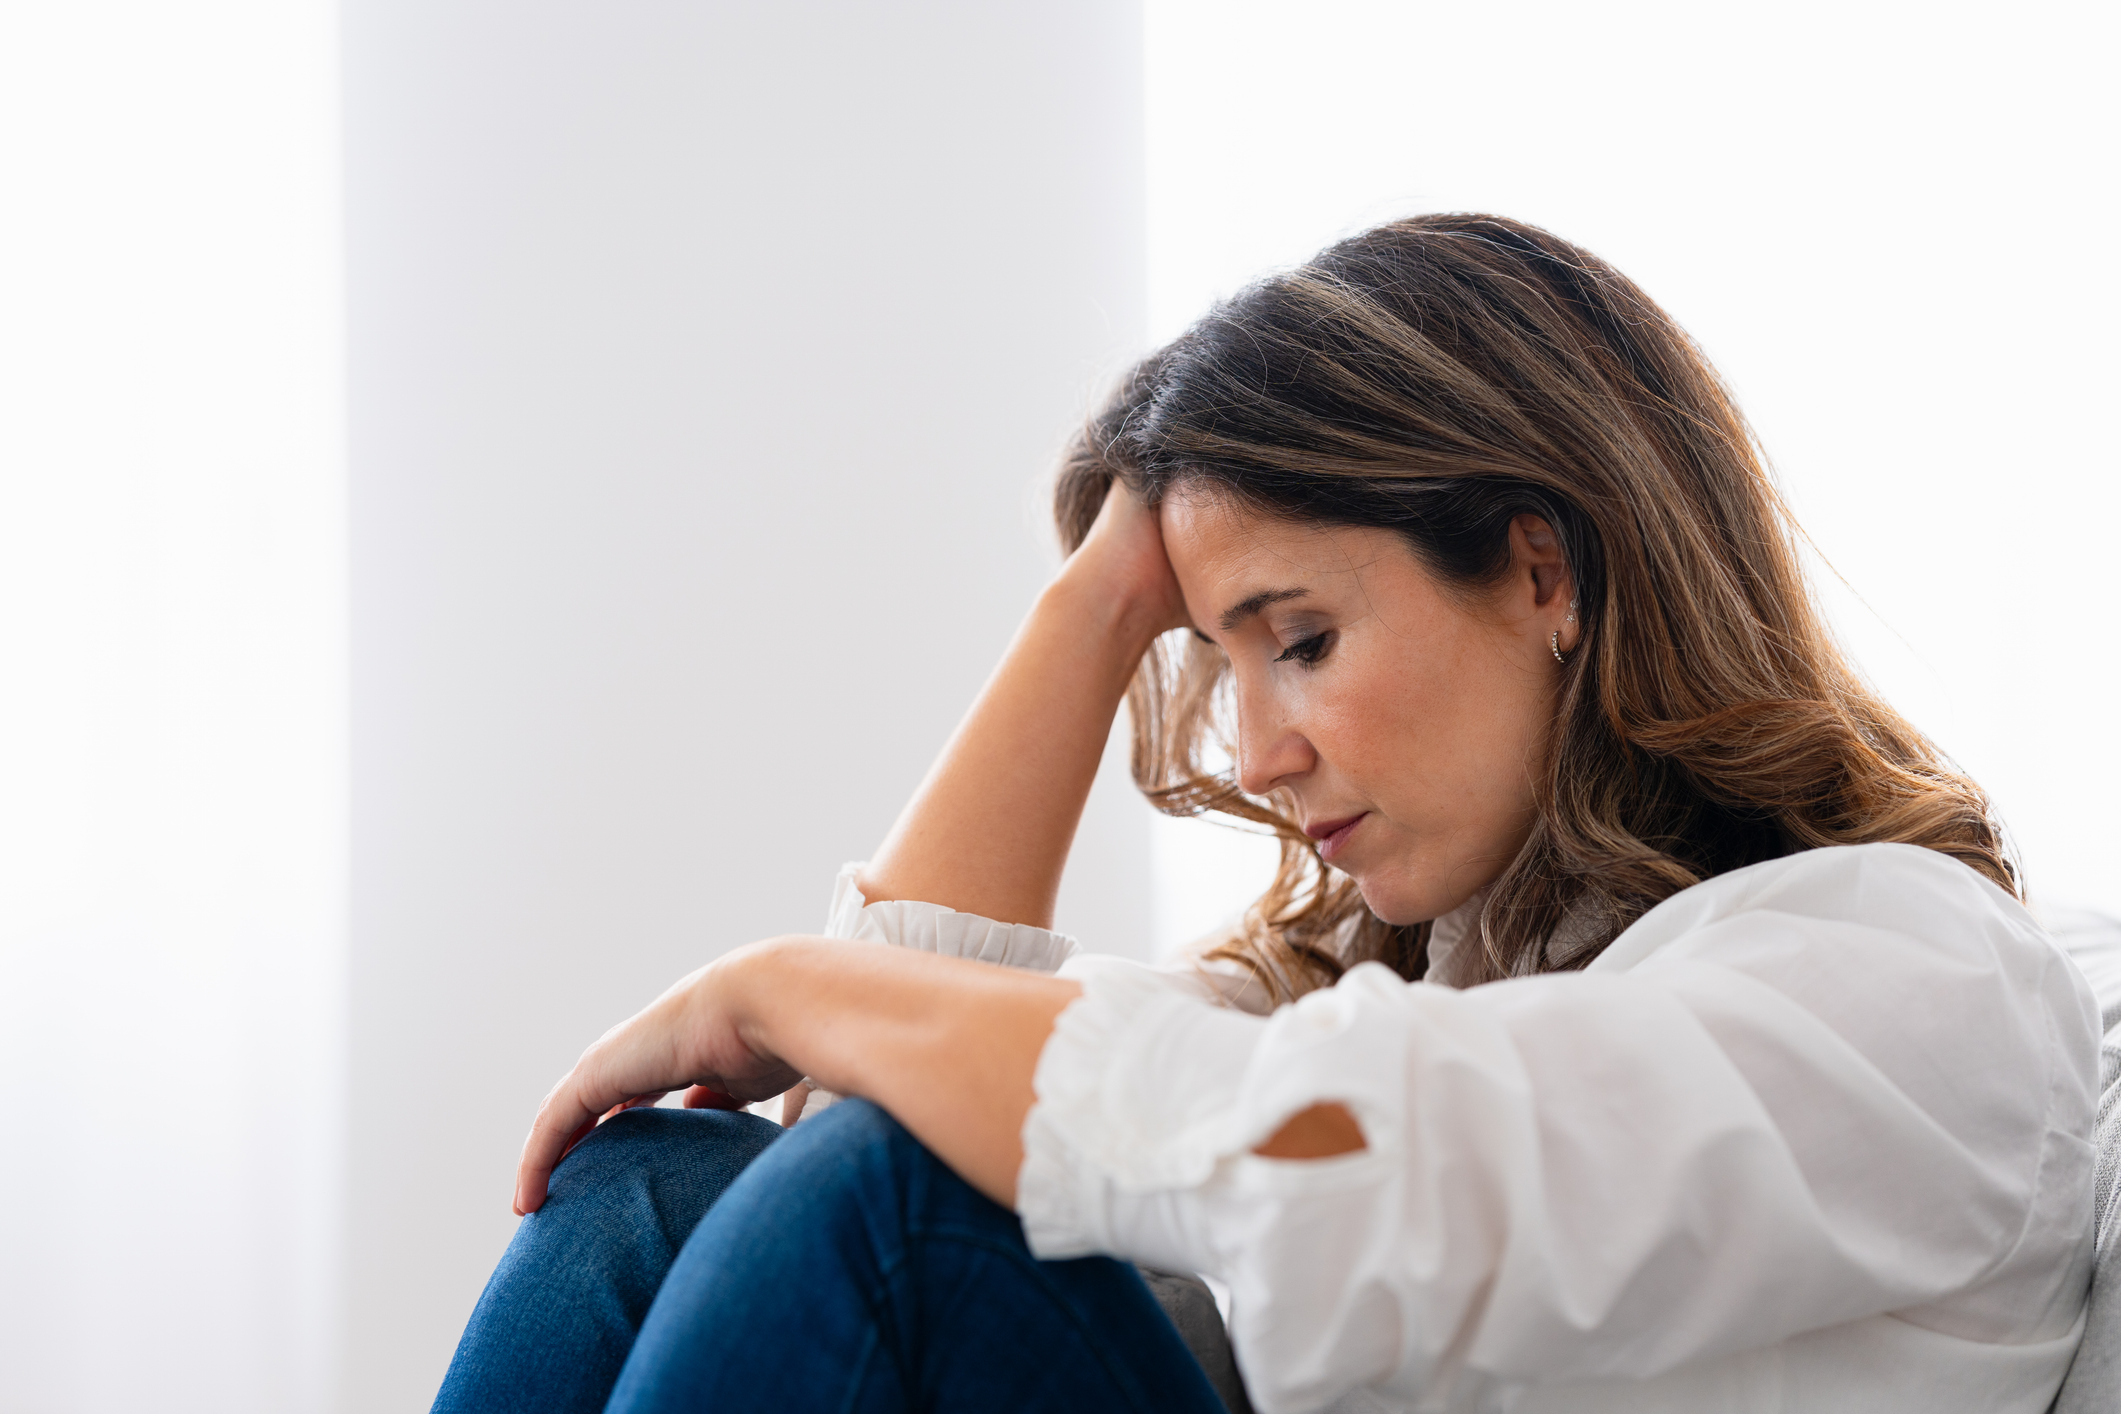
1811 1136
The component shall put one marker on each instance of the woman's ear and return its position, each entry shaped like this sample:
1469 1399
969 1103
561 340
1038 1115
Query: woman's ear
1536 561
1536 550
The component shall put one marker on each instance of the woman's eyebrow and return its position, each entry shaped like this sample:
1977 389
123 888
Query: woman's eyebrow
1238 613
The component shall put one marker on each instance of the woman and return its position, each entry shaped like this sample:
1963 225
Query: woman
1667 1033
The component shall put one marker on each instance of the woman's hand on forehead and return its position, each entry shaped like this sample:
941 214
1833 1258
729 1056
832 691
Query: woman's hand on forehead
1124 555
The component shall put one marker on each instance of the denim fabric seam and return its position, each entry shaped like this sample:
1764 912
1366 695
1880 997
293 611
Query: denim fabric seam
861 1370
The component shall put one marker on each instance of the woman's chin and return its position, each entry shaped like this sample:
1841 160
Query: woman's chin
1404 897
1392 901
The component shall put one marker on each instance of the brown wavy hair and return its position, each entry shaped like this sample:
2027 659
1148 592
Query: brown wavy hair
1439 376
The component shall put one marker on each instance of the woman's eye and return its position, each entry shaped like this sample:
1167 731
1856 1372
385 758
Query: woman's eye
1307 651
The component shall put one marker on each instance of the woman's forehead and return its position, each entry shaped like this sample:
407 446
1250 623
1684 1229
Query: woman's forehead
1213 539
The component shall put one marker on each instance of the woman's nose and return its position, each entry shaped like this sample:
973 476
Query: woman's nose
1269 751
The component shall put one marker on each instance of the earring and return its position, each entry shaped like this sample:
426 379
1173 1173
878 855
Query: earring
1554 639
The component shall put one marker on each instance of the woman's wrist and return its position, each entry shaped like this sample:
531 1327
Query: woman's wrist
745 990
1106 611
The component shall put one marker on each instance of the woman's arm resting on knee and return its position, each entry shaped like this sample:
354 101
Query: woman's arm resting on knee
948 1046
989 829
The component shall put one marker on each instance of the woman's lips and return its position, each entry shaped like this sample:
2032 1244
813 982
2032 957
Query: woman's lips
1332 835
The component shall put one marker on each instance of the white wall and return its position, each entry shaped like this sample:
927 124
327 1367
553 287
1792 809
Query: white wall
171 704
706 360
1887 223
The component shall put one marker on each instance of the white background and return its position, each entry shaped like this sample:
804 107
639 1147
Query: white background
698 368
172 704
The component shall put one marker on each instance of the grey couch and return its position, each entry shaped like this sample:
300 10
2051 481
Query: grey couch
2094 1380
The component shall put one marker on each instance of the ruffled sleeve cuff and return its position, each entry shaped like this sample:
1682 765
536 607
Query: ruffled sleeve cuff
928 927
1138 1092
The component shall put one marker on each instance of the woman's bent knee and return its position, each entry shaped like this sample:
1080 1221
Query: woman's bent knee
855 1162
677 1161
855 1138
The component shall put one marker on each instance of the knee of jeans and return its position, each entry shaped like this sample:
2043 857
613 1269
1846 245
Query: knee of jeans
637 1146
853 1122
856 1173
860 1144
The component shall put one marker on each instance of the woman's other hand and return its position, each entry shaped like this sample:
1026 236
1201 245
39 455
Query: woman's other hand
1124 555
697 1034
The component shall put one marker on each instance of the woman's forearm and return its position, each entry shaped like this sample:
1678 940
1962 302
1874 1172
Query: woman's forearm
949 1046
946 1045
989 829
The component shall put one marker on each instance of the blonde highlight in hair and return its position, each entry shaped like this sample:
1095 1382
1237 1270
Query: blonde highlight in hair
1438 377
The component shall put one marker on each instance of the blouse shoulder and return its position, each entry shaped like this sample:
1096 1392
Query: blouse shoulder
1899 888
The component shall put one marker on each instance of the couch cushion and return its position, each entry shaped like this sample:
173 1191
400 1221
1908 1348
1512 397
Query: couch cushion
1191 1307
2094 1379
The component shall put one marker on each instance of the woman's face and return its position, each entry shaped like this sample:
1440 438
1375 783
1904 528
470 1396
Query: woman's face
1403 723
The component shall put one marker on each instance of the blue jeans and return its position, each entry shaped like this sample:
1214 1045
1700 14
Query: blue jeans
697 1260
